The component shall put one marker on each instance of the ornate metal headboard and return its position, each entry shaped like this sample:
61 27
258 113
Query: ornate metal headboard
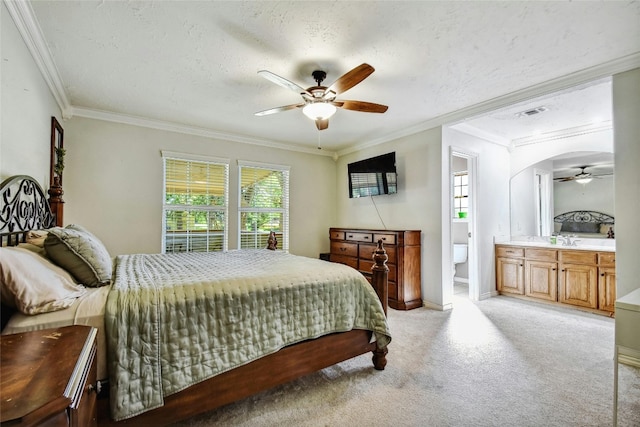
585 216
23 207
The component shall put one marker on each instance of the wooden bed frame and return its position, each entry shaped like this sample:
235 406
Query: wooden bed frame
26 209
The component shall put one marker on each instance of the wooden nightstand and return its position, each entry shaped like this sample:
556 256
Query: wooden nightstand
48 377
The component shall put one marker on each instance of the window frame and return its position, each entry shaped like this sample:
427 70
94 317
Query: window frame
283 243
193 158
464 193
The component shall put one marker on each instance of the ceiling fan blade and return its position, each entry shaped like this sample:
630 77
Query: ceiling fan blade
366 107
279 109
322 124
350 79
281 81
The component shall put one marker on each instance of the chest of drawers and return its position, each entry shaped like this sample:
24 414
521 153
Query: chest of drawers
355 247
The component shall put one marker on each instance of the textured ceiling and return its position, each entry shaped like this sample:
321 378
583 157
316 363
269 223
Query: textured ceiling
195 63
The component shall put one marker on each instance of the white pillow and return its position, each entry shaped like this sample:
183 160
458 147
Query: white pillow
33 284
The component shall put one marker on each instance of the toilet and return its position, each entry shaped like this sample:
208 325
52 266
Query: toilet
459 255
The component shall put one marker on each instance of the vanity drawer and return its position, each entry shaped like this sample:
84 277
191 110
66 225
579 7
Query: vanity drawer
509 252
359 237
607 258
541 254
578 257
344 248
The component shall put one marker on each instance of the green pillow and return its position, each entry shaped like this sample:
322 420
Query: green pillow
80 253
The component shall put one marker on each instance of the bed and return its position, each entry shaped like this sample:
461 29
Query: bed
590 224
182 334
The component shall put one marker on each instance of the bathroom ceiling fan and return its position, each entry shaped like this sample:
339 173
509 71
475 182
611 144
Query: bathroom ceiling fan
319 102
582 177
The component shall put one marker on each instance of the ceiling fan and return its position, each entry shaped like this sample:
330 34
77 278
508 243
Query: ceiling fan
582 177
319 102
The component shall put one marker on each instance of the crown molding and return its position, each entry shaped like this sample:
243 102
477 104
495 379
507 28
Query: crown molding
587 75
191 130
563 133
24 18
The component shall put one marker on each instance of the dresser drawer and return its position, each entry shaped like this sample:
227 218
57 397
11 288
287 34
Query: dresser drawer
607 258
344 248
365 266
509 252
366 252
387 239
358 237
346 260
578 257
541 254
336 235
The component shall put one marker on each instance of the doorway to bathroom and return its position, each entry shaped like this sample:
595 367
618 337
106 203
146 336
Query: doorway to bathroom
463 184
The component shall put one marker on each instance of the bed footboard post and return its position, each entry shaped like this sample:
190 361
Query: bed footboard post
379 276
380 273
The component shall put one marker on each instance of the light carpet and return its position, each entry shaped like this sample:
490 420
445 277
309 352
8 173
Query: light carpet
497 362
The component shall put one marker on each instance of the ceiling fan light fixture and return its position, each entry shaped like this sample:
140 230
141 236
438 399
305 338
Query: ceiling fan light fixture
319 110
583 180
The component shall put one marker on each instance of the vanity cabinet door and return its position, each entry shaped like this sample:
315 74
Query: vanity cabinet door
510 275
607 288
541 280
578 285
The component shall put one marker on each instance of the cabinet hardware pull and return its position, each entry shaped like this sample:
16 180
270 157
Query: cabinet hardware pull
602 274
95 388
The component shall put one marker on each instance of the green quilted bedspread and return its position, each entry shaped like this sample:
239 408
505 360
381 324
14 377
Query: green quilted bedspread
173 320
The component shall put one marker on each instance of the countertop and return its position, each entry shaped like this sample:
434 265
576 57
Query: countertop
587 246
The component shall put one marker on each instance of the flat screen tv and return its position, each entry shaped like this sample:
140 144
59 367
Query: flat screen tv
373 177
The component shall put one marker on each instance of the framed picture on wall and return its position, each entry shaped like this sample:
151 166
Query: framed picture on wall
57 153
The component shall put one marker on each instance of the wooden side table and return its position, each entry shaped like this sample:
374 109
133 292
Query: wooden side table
48 377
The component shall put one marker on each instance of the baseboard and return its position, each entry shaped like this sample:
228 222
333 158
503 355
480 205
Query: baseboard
438 307
460 279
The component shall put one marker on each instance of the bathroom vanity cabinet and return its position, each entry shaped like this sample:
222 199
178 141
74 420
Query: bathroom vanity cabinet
574 277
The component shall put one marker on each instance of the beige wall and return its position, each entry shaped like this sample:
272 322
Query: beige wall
416 206
626 126
26 109
114 178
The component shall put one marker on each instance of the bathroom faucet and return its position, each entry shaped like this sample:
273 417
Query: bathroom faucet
568 240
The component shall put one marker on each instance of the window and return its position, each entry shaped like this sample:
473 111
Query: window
460 193
264 205
195 205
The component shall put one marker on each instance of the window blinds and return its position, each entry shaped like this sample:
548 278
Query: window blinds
195 204
263 205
